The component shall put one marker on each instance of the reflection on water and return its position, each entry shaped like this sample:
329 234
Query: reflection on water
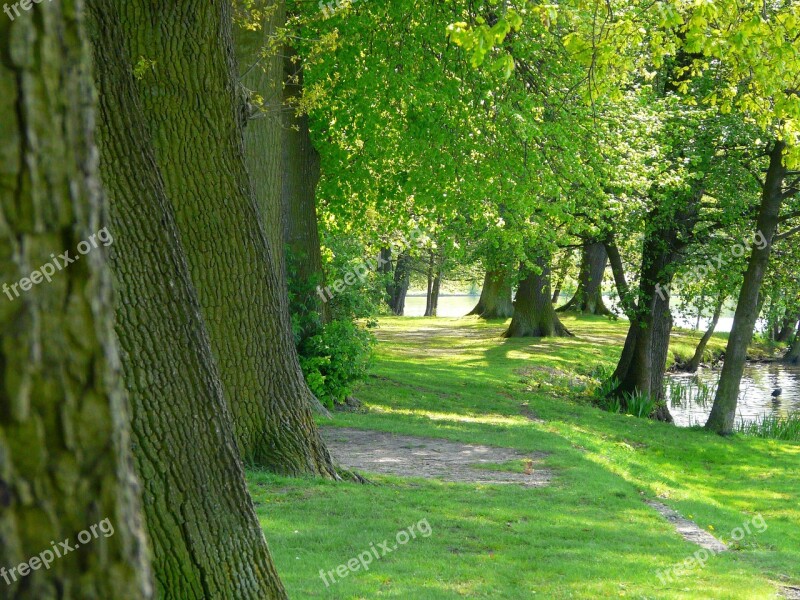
690 396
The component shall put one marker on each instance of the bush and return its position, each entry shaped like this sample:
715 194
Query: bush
334 359
334 355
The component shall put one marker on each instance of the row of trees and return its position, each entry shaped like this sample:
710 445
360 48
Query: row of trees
210 138
135 388
654 136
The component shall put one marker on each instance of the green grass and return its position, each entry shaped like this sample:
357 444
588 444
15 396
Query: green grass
774 427
588 535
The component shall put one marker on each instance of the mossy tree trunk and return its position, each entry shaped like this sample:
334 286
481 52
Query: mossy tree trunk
65 457
534 315
588 298
723 412
260 73
195 111
495 301
206 538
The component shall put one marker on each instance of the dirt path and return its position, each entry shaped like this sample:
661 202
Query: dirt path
377 452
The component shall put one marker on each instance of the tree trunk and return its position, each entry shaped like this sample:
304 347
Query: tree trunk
399 286
301 174
643 361
190 466
588 298
65 457
793 355
495 301
785 331
694 363
434 285
618 269
231 264
534 315
723 413
260 75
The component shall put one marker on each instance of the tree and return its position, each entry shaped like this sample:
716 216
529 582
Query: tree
185 448
588 298
231 264
65 458
793 355
699 352
495 301
534 315
723 412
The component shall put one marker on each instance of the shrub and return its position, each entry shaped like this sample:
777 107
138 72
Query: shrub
334 359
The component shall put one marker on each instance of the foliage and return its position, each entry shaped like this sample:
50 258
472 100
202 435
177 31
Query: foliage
335 355
334 359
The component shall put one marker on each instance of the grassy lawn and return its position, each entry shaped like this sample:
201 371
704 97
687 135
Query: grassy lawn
588 535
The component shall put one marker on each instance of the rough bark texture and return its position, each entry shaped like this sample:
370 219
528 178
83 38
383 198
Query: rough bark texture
65 459
534 315
588 298
723 413
206 538
260 70
195 113
495 301
694 363
301 174
398 288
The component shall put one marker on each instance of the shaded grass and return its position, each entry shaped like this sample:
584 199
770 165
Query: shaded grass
588 535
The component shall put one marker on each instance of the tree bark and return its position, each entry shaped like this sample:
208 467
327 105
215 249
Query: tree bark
723 412
643 361
260 86
301 174
206 538
231 264
534 315
588 298
495 301
694 363
399 286
65 457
